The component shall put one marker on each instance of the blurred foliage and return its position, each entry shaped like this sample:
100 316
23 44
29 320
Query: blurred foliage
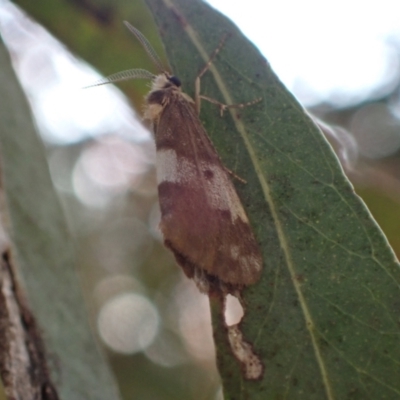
93 30
44 251
376 178
385 209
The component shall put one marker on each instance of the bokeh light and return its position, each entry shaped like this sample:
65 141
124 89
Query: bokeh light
376 131
128 323
109 166
337 52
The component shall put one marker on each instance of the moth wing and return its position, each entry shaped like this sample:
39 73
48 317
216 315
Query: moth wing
203 221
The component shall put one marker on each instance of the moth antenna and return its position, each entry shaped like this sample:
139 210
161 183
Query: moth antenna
124 76
147 46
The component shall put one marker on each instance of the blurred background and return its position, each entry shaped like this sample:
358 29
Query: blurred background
341 59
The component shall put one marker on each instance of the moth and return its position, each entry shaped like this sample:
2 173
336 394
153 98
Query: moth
202 219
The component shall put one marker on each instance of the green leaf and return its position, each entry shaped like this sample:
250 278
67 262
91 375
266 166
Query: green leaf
45 252
324 318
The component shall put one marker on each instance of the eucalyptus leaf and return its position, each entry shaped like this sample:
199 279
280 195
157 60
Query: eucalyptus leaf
45 253
324 318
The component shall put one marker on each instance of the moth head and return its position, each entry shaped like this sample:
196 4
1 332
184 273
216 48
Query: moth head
175 81
165 81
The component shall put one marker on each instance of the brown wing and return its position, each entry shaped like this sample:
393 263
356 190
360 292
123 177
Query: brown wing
203 221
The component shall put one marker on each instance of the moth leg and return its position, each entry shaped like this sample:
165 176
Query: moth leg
197 96
223 107
235 176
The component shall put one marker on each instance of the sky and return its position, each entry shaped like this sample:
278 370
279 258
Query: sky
323 49
336 52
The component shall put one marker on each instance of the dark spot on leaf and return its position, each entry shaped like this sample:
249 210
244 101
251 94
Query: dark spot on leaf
300 278
179 17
